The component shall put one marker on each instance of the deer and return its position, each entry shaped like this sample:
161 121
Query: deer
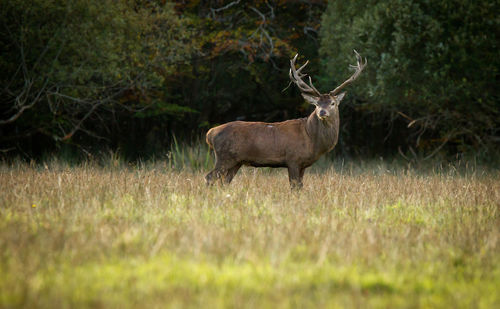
294 144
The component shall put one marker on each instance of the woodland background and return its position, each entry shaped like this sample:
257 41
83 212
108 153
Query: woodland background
80 77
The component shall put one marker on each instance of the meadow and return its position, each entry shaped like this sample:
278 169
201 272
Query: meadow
359 235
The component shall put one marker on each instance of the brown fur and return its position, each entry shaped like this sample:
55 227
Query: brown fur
295 144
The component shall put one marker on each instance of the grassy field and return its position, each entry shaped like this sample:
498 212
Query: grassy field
360 235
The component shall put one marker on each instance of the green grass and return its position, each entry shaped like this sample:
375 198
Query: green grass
361 235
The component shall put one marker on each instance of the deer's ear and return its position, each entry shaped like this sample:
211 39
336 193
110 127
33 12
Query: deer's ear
310 99
339 97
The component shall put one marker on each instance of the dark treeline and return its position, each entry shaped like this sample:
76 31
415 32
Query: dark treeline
86 76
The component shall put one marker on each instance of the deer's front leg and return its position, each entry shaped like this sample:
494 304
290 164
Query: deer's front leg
295 176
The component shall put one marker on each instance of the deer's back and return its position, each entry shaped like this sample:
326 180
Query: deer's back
259 143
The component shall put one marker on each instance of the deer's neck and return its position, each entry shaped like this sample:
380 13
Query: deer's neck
323 133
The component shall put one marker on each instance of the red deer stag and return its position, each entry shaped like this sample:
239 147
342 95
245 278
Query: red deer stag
295 144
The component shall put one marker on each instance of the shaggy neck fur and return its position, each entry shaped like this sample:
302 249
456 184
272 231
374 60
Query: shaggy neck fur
323 133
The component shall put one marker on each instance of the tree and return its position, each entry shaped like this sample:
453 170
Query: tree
432 64
245 48
71 66
131 74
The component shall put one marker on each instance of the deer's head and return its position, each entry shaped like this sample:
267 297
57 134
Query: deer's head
326 104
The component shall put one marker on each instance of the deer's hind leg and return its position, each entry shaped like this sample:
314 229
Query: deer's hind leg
212 176
224 170
229 175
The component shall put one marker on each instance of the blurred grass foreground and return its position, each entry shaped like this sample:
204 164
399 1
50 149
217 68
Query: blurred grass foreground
357 235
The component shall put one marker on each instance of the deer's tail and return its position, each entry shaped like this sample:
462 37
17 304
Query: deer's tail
210 138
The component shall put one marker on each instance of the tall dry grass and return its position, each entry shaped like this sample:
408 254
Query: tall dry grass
147 235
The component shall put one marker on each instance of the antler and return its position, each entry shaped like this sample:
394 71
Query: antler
296 77
359 67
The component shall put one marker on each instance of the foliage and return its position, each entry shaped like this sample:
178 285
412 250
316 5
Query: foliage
432 64
244 51
71 66
129 75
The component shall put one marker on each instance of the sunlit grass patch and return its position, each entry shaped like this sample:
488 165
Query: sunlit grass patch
128 281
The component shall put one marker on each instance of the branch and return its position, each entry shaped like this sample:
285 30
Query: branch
270 8
263 31
18 114
24 95
95 105
7 149
78 125
227 6
439 147
24 107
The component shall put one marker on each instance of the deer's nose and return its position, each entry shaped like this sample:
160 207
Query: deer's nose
322 113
